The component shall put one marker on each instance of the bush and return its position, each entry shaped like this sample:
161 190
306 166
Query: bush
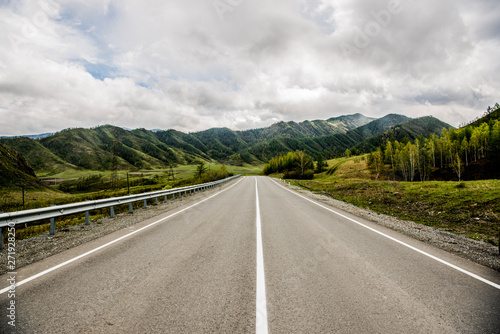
308 175
214 175
296 175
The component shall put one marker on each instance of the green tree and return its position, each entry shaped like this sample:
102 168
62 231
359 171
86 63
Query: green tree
320 163
464 147
412 160
376 162
389 156
458 166
474 142
424 159
296 164
431 146
200 170
304 161
402 159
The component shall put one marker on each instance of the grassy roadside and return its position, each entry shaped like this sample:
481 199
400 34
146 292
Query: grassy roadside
470 208
12 199
140 181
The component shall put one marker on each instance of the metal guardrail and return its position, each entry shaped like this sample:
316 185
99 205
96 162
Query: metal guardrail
11 219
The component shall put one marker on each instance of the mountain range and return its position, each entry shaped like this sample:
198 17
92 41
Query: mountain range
95 148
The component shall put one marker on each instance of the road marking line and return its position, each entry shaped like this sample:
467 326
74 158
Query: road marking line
111 242
261 303
493 284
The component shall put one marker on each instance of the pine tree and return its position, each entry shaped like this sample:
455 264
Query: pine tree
201 169
320 164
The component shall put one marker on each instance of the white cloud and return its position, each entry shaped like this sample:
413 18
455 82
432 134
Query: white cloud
177 64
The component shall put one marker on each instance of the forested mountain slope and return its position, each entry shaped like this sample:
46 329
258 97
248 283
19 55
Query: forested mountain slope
95 148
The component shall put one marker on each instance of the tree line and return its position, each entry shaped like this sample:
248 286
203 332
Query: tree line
295 165
455 149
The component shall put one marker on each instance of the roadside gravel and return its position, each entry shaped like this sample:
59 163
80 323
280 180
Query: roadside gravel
37 248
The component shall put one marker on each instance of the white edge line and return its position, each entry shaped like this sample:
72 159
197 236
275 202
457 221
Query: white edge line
495 285
111 242
261 326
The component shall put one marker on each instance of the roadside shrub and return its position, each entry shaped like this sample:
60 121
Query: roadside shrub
296 175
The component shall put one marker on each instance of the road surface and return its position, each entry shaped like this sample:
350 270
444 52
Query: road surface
255 257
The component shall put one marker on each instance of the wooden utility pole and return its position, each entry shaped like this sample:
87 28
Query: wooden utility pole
128 185
171 173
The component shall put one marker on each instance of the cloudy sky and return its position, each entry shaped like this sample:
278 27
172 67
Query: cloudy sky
195 64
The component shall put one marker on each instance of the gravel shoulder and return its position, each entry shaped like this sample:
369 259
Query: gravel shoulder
42 246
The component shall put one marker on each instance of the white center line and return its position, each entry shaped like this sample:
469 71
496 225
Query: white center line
479 278
261 304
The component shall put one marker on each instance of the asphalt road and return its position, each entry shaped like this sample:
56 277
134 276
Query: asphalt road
196 272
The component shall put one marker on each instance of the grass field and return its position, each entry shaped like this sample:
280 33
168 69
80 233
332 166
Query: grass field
148 180
470 208
139 181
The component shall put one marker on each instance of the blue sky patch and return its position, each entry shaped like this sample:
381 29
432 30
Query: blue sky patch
100 71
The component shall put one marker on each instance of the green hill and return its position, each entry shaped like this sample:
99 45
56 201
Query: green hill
39 157
411 129
306 129
93 149
328 146
15 170
491 115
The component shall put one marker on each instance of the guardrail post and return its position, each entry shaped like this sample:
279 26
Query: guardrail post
156 200
112 209
185 193
130 208
165 199
87 216
52 230
173 196
52 226
1 236
145 203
